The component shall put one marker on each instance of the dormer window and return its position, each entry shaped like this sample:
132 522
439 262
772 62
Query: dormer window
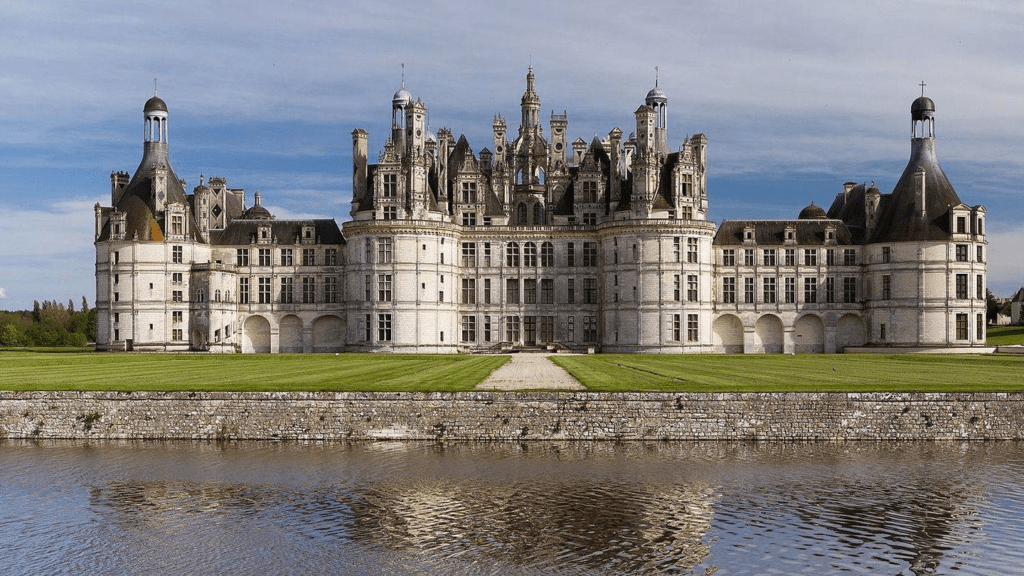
748 235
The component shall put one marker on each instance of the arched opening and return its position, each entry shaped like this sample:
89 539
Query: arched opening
198 340
850 332
521 213
538 213
728 334
768 335
290 334
328 334
256 335
810 334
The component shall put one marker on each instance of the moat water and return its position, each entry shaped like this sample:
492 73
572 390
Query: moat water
538 508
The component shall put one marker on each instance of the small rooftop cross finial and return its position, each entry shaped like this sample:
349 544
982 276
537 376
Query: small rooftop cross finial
922 85
154 86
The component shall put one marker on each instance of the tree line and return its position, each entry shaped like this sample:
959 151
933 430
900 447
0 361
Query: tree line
49 324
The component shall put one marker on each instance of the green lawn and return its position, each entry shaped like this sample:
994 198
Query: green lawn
53 370
800 373
1005 335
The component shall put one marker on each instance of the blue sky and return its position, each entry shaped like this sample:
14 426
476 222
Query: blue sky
796 97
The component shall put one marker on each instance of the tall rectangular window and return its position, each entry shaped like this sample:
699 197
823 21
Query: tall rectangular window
886 254
729 290
849 257
691 250
590 328
469 254
790 256
677 249
810 257
769 256
176 255
675 327
547 291
487 290
368 252
243 290
980 288
469 328
264 290
512 290
570 286
308 290
981 254
961 286
961 252
979 333
330 256
961 327
389 185
692 332
590 290
286 257
830 257
810 290
850 290
830 290
309 257
469 192
691 288
886 287
589 191
384 287
748 257
769 289
177 225
469 291
748 290
790 290
384 327
287 283
512 328
487 328
676 288
264 257
368 288
384 250
331 289
590 253
729 257
487 254
570 328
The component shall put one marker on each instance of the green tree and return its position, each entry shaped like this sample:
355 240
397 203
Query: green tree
992 306
12 336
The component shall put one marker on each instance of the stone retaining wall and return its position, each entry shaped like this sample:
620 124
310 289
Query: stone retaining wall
511 416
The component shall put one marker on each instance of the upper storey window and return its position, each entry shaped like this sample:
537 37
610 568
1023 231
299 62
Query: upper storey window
177 225
389 185
589 191
469 192
686 185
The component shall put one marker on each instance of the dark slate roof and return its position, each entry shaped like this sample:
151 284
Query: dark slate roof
565 207
772 232
813 212
142 220
242 232
897 221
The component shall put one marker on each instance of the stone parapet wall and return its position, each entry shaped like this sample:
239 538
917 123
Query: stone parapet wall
511 416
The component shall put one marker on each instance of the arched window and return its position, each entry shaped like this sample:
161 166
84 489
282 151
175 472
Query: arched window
200 295
521 213
216 296
530 255
547 254
538 213
512 254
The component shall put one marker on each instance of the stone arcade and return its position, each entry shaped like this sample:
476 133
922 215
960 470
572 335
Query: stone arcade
540 242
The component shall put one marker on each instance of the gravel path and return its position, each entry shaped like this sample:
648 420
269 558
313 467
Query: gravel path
530 370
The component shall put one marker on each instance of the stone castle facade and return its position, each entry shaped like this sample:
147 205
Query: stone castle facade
540 242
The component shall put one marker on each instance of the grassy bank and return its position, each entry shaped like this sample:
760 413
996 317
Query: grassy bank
1005 335
800 373
42 370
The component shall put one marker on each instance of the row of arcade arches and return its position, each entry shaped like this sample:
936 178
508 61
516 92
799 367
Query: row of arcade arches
292 335
768 335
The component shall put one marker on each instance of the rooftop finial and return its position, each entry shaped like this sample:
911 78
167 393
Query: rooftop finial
922 85
154 86
403 74
655 76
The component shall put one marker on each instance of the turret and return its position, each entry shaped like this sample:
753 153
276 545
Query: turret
359 152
